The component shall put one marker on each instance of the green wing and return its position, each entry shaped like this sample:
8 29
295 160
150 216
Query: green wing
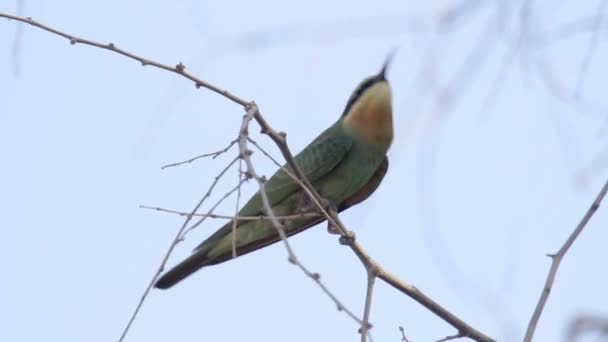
316 160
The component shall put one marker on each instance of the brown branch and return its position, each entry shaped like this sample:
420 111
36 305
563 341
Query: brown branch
279 138
557 258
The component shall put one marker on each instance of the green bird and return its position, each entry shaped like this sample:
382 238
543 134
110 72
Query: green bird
345 164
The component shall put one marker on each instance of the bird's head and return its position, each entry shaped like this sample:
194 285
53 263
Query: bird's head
369 109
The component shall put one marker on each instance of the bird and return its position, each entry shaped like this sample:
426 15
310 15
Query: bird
345 164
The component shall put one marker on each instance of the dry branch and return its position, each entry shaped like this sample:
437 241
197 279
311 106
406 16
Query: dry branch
557 259
178 237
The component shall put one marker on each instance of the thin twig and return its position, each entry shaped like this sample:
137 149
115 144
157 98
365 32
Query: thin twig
557 258
179 68
212 209
230 217
451 337
403 337
178 237
236 210
213 155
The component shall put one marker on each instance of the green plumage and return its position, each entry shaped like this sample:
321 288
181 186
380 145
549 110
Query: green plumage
336 163
342 164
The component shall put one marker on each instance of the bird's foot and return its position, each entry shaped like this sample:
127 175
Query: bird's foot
331 229
347 239
329 208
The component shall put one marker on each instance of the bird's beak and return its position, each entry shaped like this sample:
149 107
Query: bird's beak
387 62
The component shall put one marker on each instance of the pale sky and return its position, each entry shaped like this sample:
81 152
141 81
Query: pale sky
475 197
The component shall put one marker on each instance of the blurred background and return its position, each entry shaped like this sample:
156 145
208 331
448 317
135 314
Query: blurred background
500 148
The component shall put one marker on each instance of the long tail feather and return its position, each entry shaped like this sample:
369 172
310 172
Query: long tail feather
178 273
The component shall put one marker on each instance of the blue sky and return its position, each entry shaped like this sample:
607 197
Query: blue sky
475 196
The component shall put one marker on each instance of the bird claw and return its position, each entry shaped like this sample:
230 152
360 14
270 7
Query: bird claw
331 229
347 239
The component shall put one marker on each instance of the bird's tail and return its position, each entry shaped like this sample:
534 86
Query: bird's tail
178 273
217 248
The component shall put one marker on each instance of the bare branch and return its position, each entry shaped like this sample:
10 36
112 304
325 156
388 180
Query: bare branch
213 155
179 68
203 218
403 337
464 329
451 337
230 217
371 279
236 209
178 237
557 258
252 111
366 260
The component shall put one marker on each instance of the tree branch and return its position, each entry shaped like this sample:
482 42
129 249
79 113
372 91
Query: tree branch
213 155
245 153
365 326
178 237
557 259
230 217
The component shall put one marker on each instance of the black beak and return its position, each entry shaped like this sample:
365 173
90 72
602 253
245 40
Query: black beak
387 63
